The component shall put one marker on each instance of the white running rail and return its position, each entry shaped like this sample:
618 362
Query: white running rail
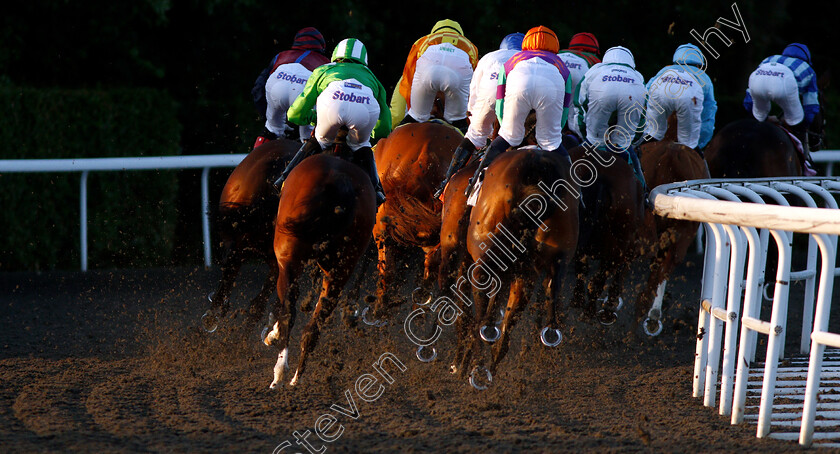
87 165
739 216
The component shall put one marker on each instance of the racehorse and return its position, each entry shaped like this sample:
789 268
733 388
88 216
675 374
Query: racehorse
245 219
747 148
524 223
412 162
664 162
326 214
611 215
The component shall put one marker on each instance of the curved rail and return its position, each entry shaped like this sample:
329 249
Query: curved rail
739 217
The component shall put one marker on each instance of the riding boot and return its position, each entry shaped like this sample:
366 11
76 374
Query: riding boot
497 147
800 130
310 147
459 159
407 119
561 150
637 167
363 157
462 125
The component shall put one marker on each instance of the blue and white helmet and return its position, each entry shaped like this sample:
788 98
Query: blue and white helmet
689 54
512 41
619 54
350 49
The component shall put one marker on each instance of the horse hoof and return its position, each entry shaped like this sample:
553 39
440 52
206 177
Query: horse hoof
417 296
485 337
620 304
211 296
376 323
423 359
546 342
474 381
652 327
606 317
767 286
453 369
209 322
263 334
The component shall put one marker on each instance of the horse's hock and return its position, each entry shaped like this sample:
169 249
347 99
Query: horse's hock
794 396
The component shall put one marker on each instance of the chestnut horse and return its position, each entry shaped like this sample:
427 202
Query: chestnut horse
412 162
610 220
245 220
524 223
326 214
664 162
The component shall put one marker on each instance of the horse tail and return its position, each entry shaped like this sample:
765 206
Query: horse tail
540 172
229 219
330 210
413 221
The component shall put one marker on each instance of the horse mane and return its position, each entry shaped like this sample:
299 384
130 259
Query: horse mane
411 212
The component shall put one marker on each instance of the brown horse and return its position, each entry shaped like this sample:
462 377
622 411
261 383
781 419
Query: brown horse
524 223
612 214
245 220
411 161
748 148
326 214
667 240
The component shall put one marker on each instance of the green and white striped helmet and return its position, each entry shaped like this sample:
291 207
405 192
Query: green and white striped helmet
350 49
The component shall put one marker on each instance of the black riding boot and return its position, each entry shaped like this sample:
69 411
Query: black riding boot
459 159
407 119
497 147
310 147
637 167
363 157
462 125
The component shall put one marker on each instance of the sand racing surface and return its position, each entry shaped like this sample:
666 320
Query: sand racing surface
115 360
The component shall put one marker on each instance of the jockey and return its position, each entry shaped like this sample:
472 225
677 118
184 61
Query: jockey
346 94
583 52
482 103
533 79
686 89
784 79
613 87
444 61
282 81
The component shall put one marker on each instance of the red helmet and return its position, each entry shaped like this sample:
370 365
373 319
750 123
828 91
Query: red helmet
585 42
309 38
541 38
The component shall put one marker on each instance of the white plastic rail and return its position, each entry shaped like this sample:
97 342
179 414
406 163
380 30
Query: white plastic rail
87 165
732 212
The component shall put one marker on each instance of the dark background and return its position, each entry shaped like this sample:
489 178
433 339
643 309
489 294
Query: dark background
206 55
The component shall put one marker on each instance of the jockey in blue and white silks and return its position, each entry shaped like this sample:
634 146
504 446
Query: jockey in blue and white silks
789 81
684 88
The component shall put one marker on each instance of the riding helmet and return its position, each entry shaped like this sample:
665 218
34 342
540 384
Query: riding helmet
541 38
585 42
512 41
619 54
350 49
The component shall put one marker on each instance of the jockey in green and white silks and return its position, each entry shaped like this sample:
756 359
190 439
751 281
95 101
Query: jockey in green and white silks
346 93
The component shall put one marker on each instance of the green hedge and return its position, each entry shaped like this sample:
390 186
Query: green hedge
131 215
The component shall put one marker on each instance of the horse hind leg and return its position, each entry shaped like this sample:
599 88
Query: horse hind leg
259 303
516 303
281 319
330 292
220 299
